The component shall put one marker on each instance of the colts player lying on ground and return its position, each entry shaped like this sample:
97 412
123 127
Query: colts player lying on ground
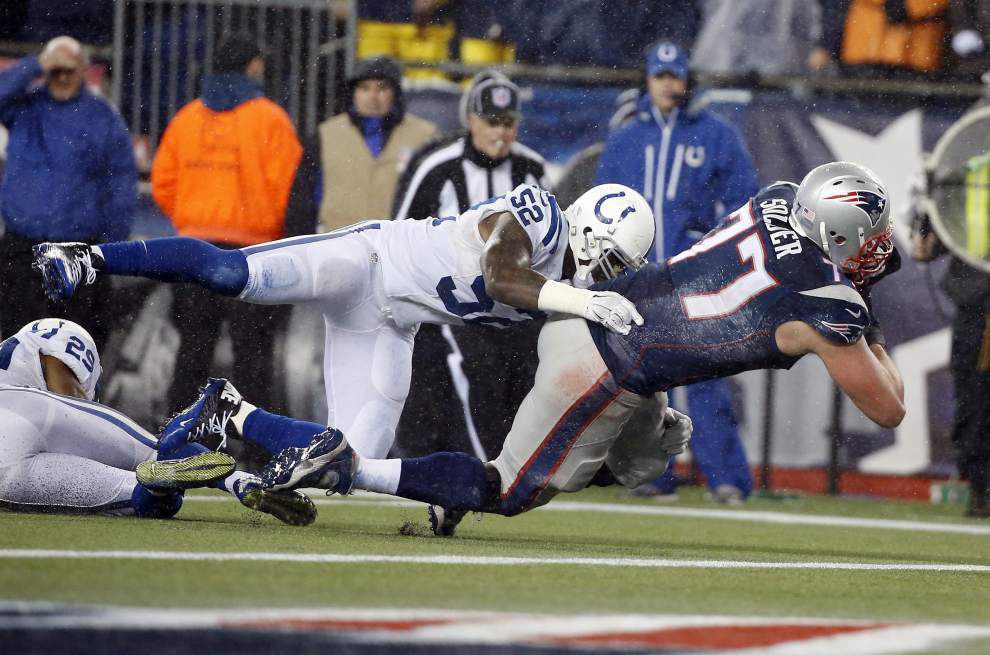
62 452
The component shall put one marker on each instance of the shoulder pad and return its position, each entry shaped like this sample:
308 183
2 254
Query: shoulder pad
837 312
786 190
69 343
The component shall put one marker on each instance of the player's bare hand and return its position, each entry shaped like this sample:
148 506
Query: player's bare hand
613 311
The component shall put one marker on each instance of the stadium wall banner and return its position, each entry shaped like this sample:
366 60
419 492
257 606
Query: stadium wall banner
787 136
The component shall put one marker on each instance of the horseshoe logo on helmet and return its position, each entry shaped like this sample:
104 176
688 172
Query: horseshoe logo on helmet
605 219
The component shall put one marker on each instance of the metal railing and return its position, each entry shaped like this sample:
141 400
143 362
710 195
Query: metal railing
163 47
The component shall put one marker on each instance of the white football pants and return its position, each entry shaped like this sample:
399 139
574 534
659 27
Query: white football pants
574 419
367 360
65 454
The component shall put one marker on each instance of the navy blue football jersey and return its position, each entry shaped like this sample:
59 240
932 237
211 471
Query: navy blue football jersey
713 310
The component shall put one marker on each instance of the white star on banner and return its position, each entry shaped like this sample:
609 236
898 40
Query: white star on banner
894 155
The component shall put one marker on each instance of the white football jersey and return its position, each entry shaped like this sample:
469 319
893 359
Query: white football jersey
432 267
20 355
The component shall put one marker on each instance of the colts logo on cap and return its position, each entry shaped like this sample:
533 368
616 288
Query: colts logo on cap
501 97
871 203
667 52
601 201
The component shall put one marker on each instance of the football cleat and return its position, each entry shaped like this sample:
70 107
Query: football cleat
188 473
63 267
326 463
222 401
205 420
444 522
289 507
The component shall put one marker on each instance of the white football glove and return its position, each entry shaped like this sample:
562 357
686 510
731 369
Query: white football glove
613 311
677 432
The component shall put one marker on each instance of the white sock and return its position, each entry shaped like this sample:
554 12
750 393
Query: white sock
233 478
381 475
242 413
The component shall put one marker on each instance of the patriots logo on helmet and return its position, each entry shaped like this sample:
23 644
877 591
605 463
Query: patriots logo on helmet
871 203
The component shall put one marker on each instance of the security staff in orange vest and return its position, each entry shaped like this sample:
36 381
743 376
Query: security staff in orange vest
222 173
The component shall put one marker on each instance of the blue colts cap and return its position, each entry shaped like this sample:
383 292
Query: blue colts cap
666 57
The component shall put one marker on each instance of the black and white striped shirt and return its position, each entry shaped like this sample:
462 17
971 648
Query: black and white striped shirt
448 177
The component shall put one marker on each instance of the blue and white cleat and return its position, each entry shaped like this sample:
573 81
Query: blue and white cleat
188 473
290 507
205 420
63 267
327 463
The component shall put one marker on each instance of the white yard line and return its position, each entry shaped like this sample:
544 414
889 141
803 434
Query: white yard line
456 560
780 518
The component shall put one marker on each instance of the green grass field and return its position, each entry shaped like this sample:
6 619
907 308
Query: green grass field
366 525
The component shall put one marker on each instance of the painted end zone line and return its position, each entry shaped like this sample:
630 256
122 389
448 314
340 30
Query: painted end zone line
329 558
755 516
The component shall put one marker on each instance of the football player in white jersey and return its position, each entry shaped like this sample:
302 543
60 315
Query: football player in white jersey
377 281
60 451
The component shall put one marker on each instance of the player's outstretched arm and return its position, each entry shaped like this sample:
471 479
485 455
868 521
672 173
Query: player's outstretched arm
865 373
506 263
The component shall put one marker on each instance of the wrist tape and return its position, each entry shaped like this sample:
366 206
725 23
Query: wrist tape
563 298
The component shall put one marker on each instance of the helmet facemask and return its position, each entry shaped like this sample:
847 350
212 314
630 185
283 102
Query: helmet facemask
872 258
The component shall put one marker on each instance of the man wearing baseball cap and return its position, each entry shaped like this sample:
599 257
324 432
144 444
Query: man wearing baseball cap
691 166
498 366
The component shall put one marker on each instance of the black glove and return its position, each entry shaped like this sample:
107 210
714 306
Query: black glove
873 334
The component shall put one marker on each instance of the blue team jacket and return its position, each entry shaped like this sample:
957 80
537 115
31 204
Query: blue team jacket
692 167
70 173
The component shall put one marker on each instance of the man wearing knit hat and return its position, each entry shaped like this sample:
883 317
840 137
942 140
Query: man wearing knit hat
350 169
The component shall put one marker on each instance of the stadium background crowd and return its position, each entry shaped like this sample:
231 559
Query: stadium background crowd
733 44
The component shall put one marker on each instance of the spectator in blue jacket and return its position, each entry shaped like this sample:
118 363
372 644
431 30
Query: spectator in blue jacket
70 176
693 167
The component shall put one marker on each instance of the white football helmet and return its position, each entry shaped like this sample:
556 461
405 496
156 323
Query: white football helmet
59 338
611 229
844 208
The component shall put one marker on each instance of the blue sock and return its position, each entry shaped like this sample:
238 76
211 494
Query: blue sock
273 432
174 446
179 259
155 506
451 480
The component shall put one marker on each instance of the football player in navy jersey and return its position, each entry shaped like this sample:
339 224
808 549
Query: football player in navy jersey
786 275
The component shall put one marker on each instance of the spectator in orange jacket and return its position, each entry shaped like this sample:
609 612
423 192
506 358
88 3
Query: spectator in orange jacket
222 173
906 35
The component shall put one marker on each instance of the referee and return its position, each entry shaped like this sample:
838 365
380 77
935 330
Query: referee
471 371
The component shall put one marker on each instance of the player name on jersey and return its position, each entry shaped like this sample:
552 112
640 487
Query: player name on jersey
776 214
